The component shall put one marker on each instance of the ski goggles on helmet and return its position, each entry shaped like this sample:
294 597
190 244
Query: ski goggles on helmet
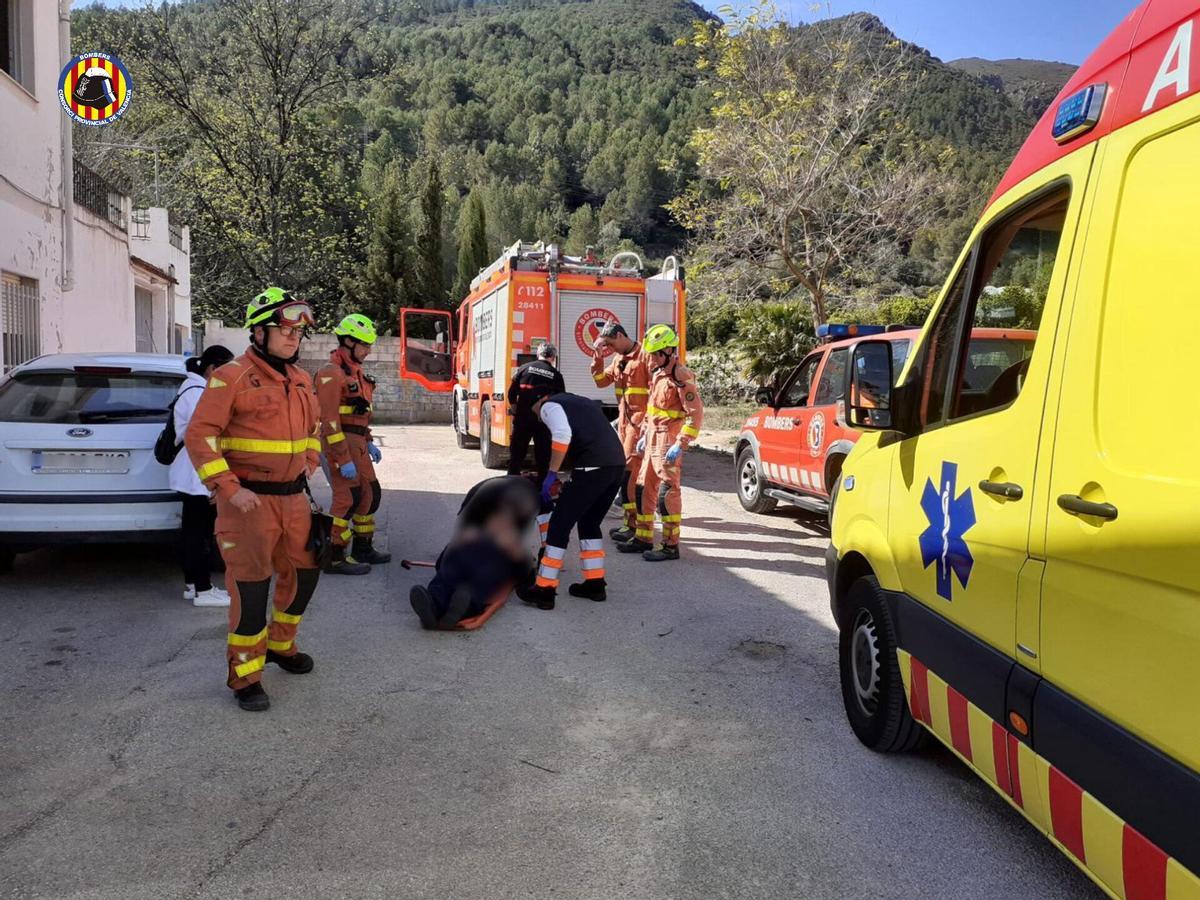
296 314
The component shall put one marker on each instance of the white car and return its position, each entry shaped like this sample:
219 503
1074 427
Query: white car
77 434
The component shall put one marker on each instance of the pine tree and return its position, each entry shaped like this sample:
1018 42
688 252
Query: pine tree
386 284
472 246
431 282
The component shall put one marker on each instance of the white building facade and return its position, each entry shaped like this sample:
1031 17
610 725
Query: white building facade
80 269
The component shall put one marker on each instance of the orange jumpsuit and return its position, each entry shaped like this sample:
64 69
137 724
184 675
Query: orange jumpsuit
256 427
630 374
675 413
345 393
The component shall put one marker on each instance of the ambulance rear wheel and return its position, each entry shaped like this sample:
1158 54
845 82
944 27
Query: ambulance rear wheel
751 485
872 689
493 455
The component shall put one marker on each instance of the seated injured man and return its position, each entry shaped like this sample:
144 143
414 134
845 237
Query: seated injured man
488 551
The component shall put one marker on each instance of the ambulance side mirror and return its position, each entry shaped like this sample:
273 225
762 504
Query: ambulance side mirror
869 386
764 396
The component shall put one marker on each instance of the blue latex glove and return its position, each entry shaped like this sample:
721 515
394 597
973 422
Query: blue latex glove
674 453
547 485
641 445
374 452
349 471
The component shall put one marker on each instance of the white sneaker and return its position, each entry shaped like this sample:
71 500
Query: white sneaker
214 596
189 592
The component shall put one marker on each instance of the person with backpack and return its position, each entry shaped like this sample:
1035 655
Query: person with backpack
199 513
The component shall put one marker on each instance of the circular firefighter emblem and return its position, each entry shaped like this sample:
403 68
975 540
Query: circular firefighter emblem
587 329
816 434
95 89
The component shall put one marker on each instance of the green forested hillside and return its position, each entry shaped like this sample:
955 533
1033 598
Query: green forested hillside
1031 83
568 120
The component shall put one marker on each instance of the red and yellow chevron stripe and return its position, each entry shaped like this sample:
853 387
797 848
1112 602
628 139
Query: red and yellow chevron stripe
120 87
1116 856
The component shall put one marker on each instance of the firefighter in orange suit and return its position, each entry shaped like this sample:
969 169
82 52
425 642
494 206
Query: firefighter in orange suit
673 418
254 441
345 393
629 372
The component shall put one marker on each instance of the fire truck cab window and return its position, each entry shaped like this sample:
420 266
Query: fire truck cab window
797 391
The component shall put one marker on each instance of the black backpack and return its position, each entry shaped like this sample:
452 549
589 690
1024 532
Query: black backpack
166 448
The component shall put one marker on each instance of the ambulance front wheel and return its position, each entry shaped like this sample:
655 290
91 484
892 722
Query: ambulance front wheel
752 486
872 689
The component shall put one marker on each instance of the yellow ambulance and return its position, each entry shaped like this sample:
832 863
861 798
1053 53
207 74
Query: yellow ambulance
1015 558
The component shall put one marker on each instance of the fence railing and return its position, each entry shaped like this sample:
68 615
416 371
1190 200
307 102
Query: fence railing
93 193
20 331
140 219
174 230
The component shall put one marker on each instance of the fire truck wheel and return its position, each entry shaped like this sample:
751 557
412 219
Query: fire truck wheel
461 437
493 455
872 689
751 486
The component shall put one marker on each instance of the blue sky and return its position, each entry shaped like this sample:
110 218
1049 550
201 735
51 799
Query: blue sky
1062 30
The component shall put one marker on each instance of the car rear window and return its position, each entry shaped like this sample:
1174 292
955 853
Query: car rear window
76 398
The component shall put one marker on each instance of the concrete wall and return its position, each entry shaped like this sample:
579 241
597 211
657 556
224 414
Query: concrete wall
396 401
96 313
31 165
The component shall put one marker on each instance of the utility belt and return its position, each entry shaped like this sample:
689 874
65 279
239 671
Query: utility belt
360 430
277 488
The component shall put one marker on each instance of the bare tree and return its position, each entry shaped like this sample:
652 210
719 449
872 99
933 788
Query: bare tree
807 169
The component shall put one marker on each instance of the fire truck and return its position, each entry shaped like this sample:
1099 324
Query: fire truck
531 295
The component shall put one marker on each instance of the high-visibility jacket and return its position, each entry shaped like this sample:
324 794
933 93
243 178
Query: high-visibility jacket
675 406
630 376
254 423
345 393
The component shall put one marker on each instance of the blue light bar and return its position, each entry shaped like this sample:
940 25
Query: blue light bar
841 331
1079 113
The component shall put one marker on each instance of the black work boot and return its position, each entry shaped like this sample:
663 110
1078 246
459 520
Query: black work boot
421 601
341 564
622 534
252 698
541 597
456 608
297 663
593 589
365 552
661 553
637 545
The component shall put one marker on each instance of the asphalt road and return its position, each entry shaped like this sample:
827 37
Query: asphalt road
684 740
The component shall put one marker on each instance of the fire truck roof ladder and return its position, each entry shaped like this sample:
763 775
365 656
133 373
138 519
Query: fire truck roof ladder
542 257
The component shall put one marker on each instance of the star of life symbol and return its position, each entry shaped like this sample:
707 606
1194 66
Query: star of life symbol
950 517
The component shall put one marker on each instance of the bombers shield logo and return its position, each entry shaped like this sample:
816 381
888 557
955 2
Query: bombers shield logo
587 329
95 89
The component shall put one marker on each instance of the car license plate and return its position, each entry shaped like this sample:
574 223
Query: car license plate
80 462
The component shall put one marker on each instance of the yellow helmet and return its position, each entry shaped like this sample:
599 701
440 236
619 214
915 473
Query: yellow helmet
659 338
276 306
357 326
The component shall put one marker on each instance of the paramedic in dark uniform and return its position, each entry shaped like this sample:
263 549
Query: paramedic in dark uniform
541 371
581 437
